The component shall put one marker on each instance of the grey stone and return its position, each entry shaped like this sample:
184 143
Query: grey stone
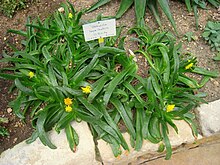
209 117
38 154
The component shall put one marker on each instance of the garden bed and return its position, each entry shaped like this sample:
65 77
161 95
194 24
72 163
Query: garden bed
185 23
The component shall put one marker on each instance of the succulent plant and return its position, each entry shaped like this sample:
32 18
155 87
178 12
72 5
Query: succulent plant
212 34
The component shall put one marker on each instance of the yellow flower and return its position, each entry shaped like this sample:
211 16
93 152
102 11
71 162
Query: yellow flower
86 89
68 108
68 101
31 74
101 40
189 66
70 15
170 107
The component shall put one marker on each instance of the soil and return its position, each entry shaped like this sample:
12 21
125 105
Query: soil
20 130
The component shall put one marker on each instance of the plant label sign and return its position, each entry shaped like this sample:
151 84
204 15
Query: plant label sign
99 29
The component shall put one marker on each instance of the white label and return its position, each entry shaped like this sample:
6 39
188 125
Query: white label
99 29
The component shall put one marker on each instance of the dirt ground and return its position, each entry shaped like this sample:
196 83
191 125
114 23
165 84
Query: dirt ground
20 130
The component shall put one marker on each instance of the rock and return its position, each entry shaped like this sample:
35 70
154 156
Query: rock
209 117
61 9
9 110
15 139
38 154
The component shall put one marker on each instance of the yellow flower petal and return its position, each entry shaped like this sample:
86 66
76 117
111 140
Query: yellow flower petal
189 66
68 101
70 15
86 89
170 107
31 74
101 40
68 108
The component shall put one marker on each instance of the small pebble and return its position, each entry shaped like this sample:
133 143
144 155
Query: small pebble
9 110
216 83
61 9
15 139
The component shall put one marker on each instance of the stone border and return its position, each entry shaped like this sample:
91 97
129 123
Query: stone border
209 117
37 154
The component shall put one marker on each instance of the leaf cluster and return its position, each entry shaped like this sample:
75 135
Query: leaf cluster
61 63
3 131
140 9
9 7
212 35
141 6
193 5
167 85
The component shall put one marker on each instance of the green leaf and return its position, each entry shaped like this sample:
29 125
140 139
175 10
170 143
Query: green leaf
21 87
166 141
217 58
111 50
189 82
139 121
72 137
33 137
111 123
65 120
155 83
41 131
193 126
205 72
116 80
98 88
30 56
46 54
118 105
52 76
152 4
90 107
80 75
175 74
194 5
188 5
146 55
145 129
10 76
134 92
161 147
103 125
16 105
97 5
166 9
154 127
124 6
140 8
71 91
166 61
215 3
19 32
182 111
